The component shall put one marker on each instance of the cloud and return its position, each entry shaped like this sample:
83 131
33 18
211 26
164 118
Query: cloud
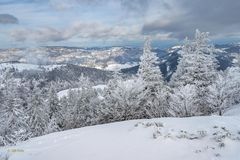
120 20
83 31
44 34
79 30
135 6
8 19
132 7
69 4
219 17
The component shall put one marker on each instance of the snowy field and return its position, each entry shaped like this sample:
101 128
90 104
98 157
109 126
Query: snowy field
194 138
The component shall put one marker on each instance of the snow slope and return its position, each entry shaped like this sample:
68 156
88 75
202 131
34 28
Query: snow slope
194 138
118 67
19 66
27 66
65 92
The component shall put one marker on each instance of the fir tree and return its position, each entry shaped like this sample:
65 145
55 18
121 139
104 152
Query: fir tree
13 124
38 113
152 96
197 67
53 107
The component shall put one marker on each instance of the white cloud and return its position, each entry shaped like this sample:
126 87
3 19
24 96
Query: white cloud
82 30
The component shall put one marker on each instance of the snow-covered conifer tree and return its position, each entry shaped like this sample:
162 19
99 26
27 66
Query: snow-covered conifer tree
38 113
52 101
67 109
153 94
53 108
148 67
85 109
197 67
13 120
80 106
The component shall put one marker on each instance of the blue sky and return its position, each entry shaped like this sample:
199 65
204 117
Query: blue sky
85 23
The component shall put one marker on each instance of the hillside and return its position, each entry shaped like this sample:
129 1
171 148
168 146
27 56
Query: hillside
209 137
60 72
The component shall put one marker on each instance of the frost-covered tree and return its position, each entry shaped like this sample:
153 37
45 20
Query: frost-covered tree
85 109
13 120
53 107
234 74
79 107
233 79
67 109
1 89
13 123
153 95
182 101
222 91
197 67
121 100
108 105
65 112
38 113
88 103
52 101
225 92
52 126
1 99
149 70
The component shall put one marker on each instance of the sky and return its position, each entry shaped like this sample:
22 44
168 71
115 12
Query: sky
91 23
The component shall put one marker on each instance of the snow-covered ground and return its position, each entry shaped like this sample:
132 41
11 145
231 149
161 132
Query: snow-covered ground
65 92
194 138
19 66
27 66
233 111
118 67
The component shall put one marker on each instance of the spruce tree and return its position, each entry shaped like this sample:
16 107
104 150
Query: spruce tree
38 113
197 67
13 120
53 108
152 96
